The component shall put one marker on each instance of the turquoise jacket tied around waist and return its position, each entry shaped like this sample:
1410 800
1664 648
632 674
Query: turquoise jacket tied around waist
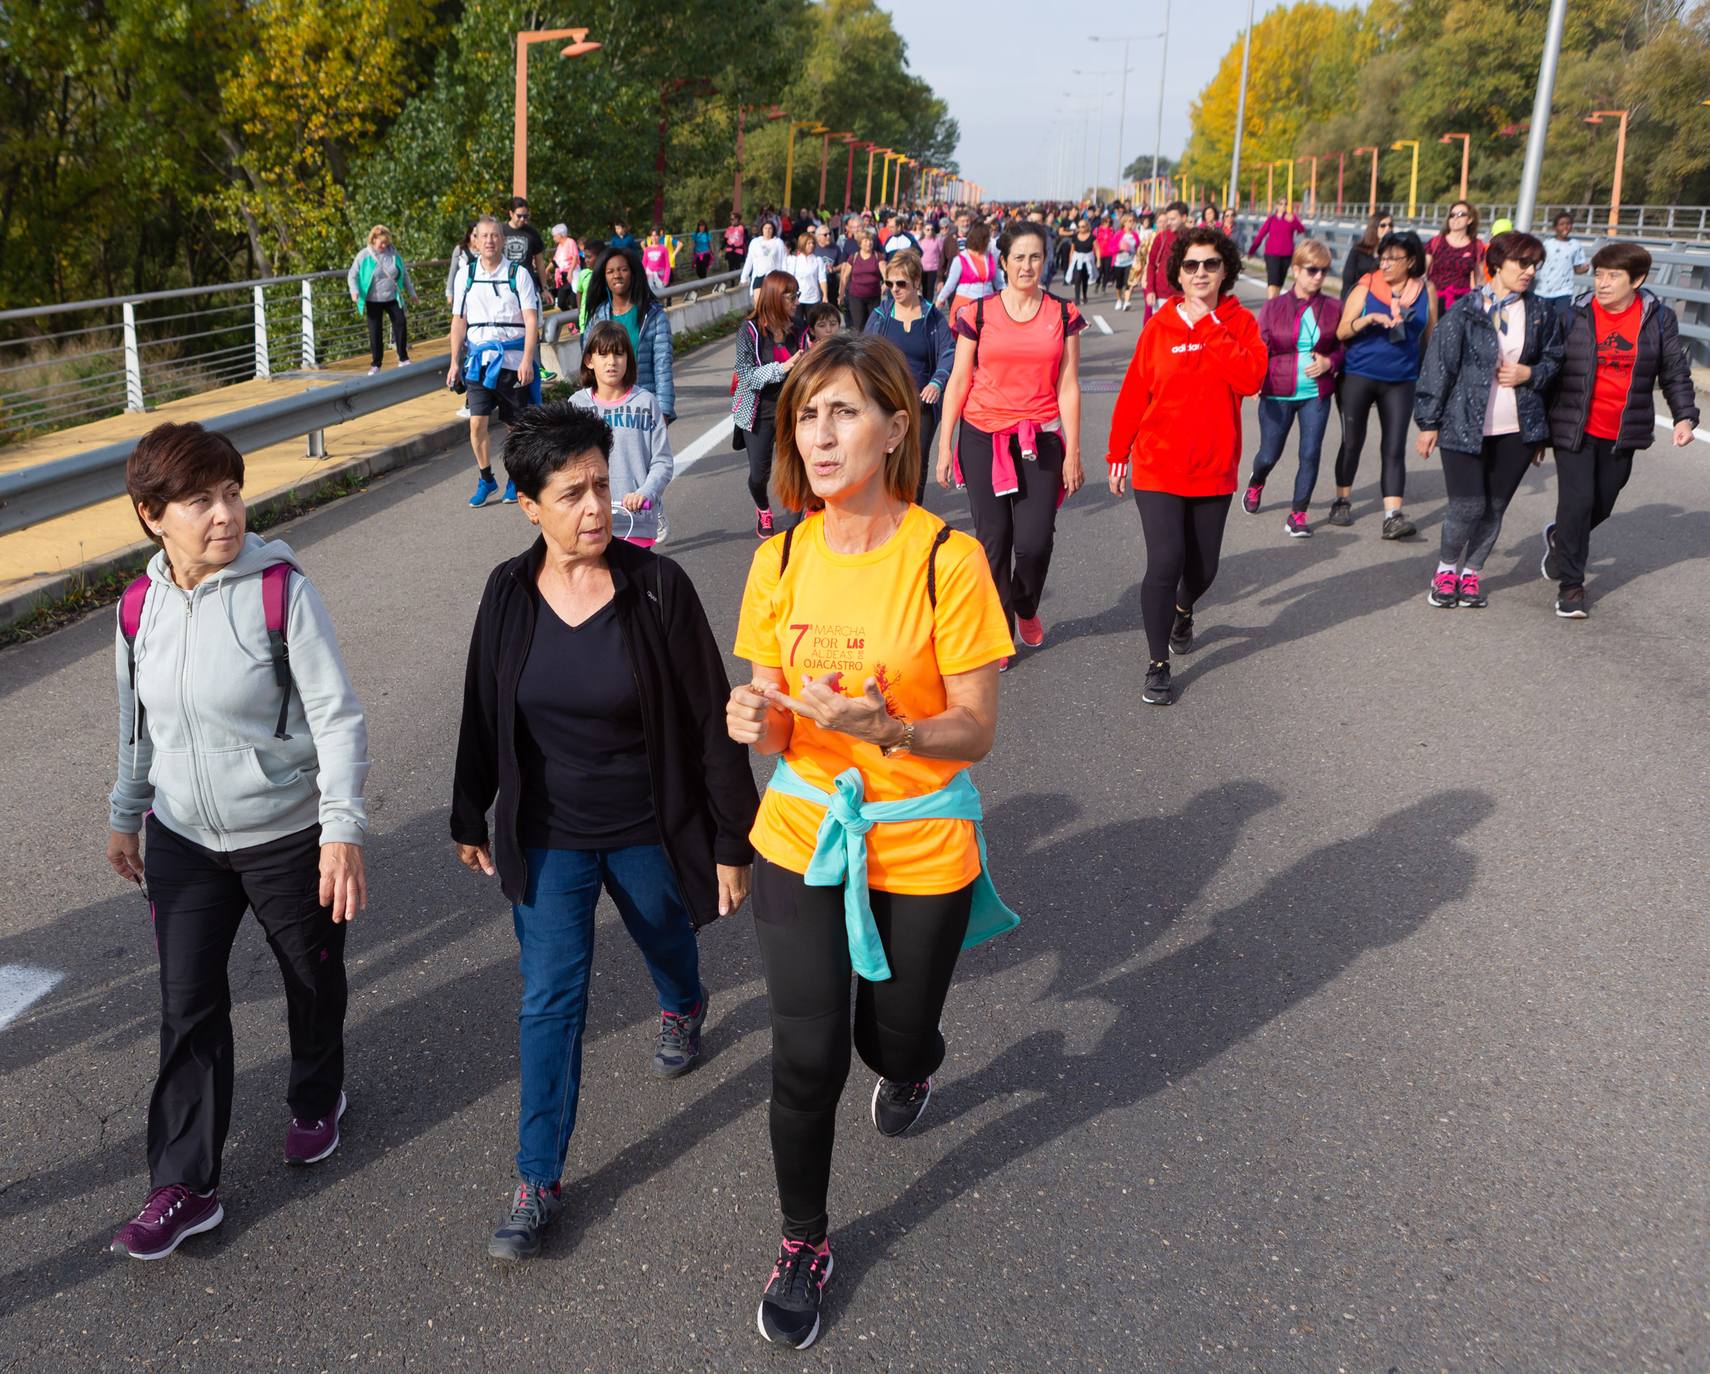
840 855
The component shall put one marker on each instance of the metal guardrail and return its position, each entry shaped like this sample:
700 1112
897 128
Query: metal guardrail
130 353
31 495
1676 223
1680 273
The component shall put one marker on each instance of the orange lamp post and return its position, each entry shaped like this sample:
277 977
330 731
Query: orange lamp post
1597 117
1466 156
578 47
1372 208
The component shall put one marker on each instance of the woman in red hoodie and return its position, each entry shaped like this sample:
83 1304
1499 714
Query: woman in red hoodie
1178 424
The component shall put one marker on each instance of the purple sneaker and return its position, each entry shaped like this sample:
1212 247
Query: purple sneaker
1251 497
170 1215
309 1142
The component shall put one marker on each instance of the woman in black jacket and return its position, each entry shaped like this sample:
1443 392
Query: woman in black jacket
1616 348
1362 255
593 715
1481 395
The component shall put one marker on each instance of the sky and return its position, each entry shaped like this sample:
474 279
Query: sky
1006 68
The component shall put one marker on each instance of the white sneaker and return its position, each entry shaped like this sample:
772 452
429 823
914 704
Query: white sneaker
462 412
372 371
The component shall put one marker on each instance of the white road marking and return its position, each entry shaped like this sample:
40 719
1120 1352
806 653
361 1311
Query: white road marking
697 450
21 987
1103 324
1702 435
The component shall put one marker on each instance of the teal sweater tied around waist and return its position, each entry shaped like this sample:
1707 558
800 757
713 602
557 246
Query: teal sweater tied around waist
840 855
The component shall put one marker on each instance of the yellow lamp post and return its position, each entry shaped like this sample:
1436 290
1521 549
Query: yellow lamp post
1597 117
1413 179
519 142
1466 156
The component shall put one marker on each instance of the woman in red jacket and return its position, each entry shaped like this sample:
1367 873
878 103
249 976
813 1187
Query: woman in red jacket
1178 423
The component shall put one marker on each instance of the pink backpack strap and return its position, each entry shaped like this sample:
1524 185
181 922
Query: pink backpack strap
275 584
130 619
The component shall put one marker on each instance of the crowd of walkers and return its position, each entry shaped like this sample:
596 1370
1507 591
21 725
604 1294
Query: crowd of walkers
602 747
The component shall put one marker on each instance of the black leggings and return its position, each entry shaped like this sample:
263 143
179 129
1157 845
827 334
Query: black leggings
759 443
929 417
1394 401
1480 486
859 308
1184 539
198 898
378 312
804 947
1018 531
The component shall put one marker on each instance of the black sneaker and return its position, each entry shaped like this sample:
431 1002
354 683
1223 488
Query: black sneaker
1341 511
1570 605
897 1106
532 1211
1157 691
1398 526
789 1308
679 1044
1181 632
1550 566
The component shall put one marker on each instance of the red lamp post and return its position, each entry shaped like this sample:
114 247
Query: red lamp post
824 155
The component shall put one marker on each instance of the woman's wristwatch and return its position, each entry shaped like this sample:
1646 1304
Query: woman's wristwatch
902 746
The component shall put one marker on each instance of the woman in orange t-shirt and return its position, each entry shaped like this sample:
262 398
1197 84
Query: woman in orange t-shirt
875 634
1016 387
1178 423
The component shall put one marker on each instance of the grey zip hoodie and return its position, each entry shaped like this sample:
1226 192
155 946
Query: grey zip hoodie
641 456
203 754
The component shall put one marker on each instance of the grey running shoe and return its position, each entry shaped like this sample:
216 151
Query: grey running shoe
679 1044
171 1216
1341 511
532 1211
1570 605
1398 526
897 1106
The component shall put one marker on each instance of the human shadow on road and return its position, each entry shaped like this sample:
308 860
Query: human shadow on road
1173 1015
1630 544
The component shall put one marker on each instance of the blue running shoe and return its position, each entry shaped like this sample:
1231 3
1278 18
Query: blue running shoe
510 496
485 486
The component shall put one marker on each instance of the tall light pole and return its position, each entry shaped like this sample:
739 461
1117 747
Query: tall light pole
849 175
519 141
1099 156
1372 208
824 155
1122 118
1527 201
1240 107
1466 156
1597 117
1163 71
1312 194
867 200
813 126
1413 179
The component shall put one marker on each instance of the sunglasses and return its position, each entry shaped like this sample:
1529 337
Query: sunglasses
1312 271
1194 266
1386 224
1457 214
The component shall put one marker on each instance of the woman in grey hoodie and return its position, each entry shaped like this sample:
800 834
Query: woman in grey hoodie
242 753
640 461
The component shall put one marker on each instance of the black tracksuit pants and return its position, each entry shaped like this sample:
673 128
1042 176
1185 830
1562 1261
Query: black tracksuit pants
1017 531
804 946
197 898
1588 480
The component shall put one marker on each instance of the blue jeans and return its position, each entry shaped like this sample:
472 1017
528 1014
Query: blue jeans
555 929
1276 417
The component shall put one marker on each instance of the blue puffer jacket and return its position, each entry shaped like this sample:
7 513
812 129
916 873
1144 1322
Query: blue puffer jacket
1459 366
653 356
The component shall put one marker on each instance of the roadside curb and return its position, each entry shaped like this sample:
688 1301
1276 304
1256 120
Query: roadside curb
20 601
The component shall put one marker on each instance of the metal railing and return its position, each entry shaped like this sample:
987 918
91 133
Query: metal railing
1680 272
33 494
1676 223
63 365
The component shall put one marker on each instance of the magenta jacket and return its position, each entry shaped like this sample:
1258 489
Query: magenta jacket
1276 236
1279 327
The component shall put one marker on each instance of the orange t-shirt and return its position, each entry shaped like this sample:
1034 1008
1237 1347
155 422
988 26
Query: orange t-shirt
1015 378
867 615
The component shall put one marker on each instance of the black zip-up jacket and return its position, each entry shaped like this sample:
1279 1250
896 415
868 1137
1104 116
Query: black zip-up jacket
703 789
1460 364
1660 357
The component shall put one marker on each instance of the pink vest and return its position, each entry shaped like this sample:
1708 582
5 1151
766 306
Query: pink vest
656 257
975 271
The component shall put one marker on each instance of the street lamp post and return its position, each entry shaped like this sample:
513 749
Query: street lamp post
1312 192
519 141
849 175
1413 179
1597 117
772 112
824 156
1122 117
1372 208
1466 156
1240 106
1527 201
872 148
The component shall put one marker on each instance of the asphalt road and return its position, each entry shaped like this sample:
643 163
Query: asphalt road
1356 1022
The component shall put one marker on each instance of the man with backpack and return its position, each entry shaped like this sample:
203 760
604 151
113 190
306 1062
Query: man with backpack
495 309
